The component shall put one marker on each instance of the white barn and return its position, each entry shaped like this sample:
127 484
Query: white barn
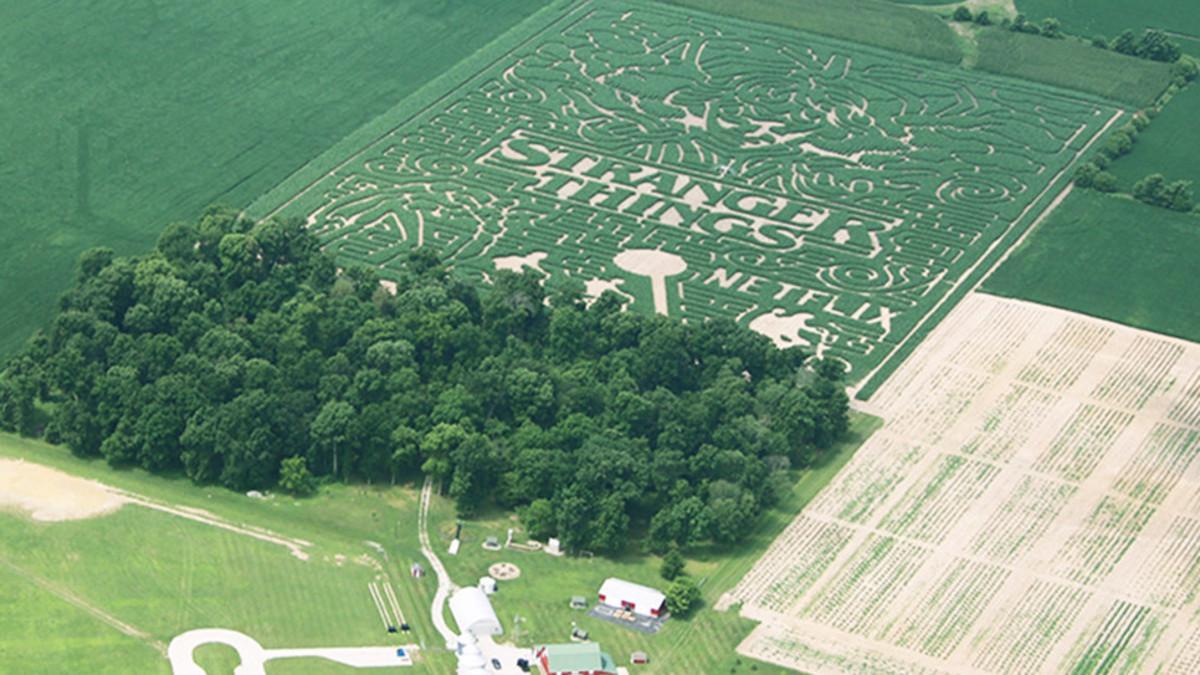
473 612
635 598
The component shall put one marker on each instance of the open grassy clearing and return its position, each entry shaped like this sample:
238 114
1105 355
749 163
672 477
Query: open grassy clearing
152 110
621 143
1028 506
161 575
703 643
1113 258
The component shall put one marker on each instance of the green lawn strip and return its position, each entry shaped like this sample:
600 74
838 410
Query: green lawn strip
1072 64
42 633
703 643
871 22
1112 258
164 574
155 110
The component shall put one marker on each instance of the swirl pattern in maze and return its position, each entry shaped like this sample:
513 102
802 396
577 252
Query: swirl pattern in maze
825 195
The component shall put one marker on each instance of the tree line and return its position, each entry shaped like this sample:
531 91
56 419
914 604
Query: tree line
237 353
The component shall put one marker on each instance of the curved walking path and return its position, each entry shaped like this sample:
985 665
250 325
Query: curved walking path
252 656
445 585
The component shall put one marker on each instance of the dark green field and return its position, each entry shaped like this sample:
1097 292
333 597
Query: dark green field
121 116
1073 64
1110 17
1169 146
1113 258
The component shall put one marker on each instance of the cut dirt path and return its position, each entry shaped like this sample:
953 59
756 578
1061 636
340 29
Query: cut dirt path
50 495
445 585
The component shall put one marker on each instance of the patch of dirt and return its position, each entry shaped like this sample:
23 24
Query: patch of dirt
49 495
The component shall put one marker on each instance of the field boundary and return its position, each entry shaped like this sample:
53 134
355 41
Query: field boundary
874 379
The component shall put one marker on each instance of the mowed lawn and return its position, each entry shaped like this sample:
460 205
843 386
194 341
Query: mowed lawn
121 116
702 643
1113 258
163 575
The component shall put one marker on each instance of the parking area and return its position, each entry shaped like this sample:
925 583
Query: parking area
627 619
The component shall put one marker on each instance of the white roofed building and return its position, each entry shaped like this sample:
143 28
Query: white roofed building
473 612
632 597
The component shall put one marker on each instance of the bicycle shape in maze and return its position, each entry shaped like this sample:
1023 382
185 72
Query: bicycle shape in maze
827 196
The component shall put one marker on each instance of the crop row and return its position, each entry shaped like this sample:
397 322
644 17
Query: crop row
859 595
938 614
1186 407
932 505
1021 519
1033 622
1170 575
933 408
1006 427
1098 544
870 478
1003 330
1141 372
1058 364
793 563
1083 442
1160 461
1116 641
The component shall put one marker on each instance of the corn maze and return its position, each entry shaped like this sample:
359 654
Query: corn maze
1032 504
825 195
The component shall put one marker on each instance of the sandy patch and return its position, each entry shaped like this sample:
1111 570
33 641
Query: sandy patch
48 495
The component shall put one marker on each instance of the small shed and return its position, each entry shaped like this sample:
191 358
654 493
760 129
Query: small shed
626 595
473 612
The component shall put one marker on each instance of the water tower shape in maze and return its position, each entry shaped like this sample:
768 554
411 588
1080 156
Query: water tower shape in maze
826 195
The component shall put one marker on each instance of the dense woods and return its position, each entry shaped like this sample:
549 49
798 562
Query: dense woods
237 353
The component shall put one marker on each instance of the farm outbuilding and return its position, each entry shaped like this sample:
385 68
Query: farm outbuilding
643 600
473 612
574 659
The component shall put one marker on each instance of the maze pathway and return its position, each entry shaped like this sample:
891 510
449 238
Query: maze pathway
824 194
1015 514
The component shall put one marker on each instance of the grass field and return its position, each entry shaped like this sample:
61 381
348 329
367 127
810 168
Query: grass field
598 160
152 110
1027 507
878 23
1069 63
1110 17
1113 258
703 643
163 575
1168 146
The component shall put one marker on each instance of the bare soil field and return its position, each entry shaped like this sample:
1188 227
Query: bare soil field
48 495
1030 505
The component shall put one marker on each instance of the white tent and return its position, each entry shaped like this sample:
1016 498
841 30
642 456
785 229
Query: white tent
636 598
473 612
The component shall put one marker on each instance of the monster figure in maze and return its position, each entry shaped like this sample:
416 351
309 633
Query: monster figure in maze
828 196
